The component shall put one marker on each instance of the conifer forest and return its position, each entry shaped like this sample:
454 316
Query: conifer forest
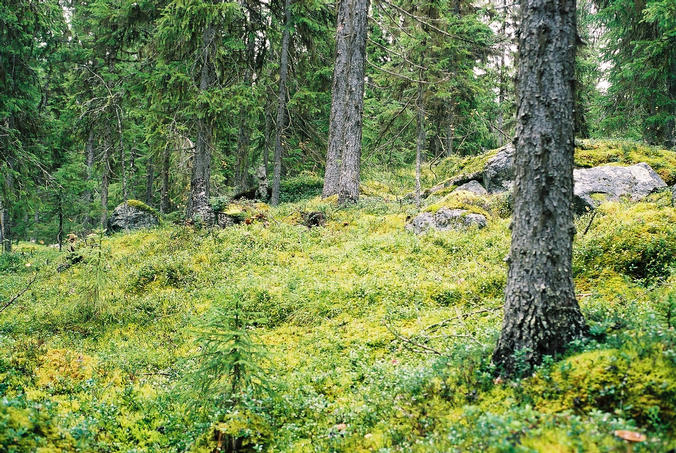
337 226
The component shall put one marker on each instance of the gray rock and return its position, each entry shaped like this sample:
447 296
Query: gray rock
474 187
610 183
127 217
499 172
446 219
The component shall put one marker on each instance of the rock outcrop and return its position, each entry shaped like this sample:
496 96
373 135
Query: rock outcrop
474 187
445 219
499 173
132 215
610 183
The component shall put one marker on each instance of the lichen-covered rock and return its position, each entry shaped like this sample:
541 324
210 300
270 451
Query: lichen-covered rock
499 172
610 183
445 219
132 215
474 187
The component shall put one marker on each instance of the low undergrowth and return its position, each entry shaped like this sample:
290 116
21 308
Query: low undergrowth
367 337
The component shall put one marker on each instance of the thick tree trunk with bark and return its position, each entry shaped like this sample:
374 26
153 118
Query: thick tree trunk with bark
338 100
348 189
105 174
281 104
541 314
199 208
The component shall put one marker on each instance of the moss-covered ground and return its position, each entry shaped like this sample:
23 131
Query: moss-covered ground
375 339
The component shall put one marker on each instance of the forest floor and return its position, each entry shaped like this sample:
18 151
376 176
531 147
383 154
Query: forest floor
373 339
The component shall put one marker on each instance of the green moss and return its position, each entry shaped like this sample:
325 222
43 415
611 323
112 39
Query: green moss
593 153
142 206
643 386
637 240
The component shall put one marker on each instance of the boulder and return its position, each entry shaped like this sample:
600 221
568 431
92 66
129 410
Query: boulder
610 183
474 187
499 173
132 215
445 219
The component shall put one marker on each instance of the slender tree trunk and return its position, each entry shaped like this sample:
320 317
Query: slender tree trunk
420 141
199 208
501 79
164 192
339 100
89 162
36 221
5 240
244 136
150 178
59 208
281 104
541 314
266 145
348 190
670 136
449 129
105 174
122 156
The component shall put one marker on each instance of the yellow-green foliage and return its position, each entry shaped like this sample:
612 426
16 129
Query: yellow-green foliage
142 206
637 240
496 205
377 338
641 383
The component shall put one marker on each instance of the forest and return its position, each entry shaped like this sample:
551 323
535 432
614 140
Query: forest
337 226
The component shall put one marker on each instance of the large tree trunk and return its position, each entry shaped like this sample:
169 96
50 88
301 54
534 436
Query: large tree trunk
338 100
541 314
281 105
348 190
105 172
164 191
199 208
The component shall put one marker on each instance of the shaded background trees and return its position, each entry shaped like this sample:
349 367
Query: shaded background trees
100 101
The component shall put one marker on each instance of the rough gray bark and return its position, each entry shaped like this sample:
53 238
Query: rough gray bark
541 314
501 79
281 104
105 172
348 189
338 100
199 208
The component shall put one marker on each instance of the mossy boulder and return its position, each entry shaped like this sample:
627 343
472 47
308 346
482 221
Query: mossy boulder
132 215
446 219
611 183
